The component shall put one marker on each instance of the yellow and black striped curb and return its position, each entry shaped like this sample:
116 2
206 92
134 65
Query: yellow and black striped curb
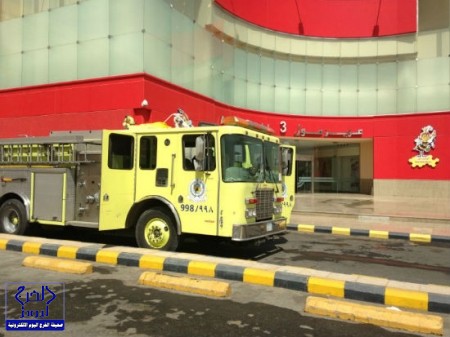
378 234
254 273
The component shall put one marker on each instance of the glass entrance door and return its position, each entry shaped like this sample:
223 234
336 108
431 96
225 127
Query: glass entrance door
304 175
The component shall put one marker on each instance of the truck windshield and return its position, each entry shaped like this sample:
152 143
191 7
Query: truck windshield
248 159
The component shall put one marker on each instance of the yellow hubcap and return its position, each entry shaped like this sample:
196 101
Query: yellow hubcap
157 233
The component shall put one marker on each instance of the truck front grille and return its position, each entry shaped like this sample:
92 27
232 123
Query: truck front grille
264 207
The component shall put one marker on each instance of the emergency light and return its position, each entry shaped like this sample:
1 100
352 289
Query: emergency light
245 123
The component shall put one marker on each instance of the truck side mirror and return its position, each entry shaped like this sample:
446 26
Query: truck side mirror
199 157
286 160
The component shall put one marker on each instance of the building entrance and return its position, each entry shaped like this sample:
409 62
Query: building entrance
330 168
304 175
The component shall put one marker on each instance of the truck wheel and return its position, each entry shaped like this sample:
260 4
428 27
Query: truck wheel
13 217
156 230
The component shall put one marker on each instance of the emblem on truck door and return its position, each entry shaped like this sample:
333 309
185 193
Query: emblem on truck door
197 190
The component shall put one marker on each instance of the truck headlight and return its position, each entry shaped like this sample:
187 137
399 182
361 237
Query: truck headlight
277 209
250 213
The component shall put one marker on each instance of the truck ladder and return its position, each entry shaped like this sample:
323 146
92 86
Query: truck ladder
53 150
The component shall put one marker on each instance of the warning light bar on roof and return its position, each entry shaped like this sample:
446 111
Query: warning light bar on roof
245 123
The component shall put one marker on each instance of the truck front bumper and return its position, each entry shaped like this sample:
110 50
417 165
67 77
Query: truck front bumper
258 230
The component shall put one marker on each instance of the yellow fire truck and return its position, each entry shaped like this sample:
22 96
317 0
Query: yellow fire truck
231 181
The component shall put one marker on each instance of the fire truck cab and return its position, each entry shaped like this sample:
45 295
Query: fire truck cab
227 181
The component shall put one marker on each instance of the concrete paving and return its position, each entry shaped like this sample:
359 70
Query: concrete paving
365 212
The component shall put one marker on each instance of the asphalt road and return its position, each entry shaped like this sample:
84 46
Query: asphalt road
400 260
109 302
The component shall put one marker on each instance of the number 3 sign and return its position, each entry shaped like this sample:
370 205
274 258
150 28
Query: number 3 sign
283 126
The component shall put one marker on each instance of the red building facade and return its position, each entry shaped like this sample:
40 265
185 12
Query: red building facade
386 137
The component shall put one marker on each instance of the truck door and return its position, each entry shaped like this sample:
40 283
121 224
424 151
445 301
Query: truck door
197 184
288 179
117 179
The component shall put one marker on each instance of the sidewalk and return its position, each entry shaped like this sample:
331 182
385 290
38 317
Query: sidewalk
365 212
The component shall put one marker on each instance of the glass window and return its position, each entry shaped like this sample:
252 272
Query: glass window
314 76
157 63
348 77
367 76
121 148
93 58
386 101
253 67
203 59
267 71
242 159
313 102
63 27
35 67
93 20
11 70
433 71
297 101
348 103
367 102
282 100
253 95
147 153
182 33
11 36
240 92
240 64
182 69
272 162
35 32
330 102
158 19
62 63
267 97
298 74
126 17
432 98
125 54
248 159
407 74
199 152
331 76
387 75
282 73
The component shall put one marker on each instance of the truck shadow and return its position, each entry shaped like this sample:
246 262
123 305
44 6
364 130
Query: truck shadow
229 249
203 245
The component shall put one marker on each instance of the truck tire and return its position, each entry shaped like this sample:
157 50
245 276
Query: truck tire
156 230
13 217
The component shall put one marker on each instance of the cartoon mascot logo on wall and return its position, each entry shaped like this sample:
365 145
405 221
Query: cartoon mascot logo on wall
425 142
